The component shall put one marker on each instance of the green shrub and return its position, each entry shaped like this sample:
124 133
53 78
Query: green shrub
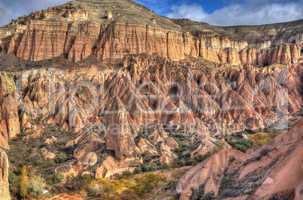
239 143
55 179
146 183
148 167
61 157
243 145
14 183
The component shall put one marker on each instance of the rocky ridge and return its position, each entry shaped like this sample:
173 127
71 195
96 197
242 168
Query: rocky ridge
80 29
102 92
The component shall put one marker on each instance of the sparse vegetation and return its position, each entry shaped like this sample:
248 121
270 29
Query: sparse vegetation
148 167
261 138
136 187
239 142
244 141
31 176
24 182
37 186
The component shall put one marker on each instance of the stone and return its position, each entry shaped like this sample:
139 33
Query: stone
110 166
90 159
67 170
47 155
51 140
4 185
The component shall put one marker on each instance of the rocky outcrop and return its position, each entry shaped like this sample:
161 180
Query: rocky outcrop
45 40
268 173
110 166
75 33
4 185
138 91
142 108
10 126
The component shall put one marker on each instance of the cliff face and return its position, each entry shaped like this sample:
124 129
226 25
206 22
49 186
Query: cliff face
137 91
10 128
45 40
79 31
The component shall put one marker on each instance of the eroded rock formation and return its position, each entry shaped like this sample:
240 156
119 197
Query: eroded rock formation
77 35
4 185
273 171
142 91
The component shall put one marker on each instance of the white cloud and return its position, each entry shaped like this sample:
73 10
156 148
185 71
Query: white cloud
238 12
245 13
193 11
15 8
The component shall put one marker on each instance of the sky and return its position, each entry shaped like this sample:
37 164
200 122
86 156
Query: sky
217 12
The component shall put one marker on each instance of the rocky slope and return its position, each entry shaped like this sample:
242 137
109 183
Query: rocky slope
102 88
80 29
272 172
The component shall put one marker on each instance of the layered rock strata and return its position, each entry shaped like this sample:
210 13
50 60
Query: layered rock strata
81 29
142 107
272 172
46 39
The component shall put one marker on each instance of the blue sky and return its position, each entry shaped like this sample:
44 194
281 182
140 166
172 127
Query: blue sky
218 12
163 7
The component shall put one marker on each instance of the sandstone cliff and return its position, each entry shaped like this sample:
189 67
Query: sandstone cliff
98 95
53 33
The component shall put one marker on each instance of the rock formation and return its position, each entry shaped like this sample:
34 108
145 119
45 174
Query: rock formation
77 37
273 170
4 185
100 96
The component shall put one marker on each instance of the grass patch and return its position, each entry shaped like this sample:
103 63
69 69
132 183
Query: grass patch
261 138
239 142
137 187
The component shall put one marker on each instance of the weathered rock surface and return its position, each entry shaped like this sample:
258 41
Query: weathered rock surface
4 185
139 91
143 107
110 166
78 33
268 173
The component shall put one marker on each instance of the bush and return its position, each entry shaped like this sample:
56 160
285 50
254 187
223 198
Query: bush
14 183
37 186
24 182
131 188
146 183
55 179
261 138
148 167
239 143
243 145
61 157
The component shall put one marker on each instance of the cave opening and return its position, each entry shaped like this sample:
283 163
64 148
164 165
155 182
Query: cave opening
301 52
174 91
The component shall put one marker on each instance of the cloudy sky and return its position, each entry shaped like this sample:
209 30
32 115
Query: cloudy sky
219 12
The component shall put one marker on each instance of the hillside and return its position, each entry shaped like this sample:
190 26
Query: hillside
104 99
